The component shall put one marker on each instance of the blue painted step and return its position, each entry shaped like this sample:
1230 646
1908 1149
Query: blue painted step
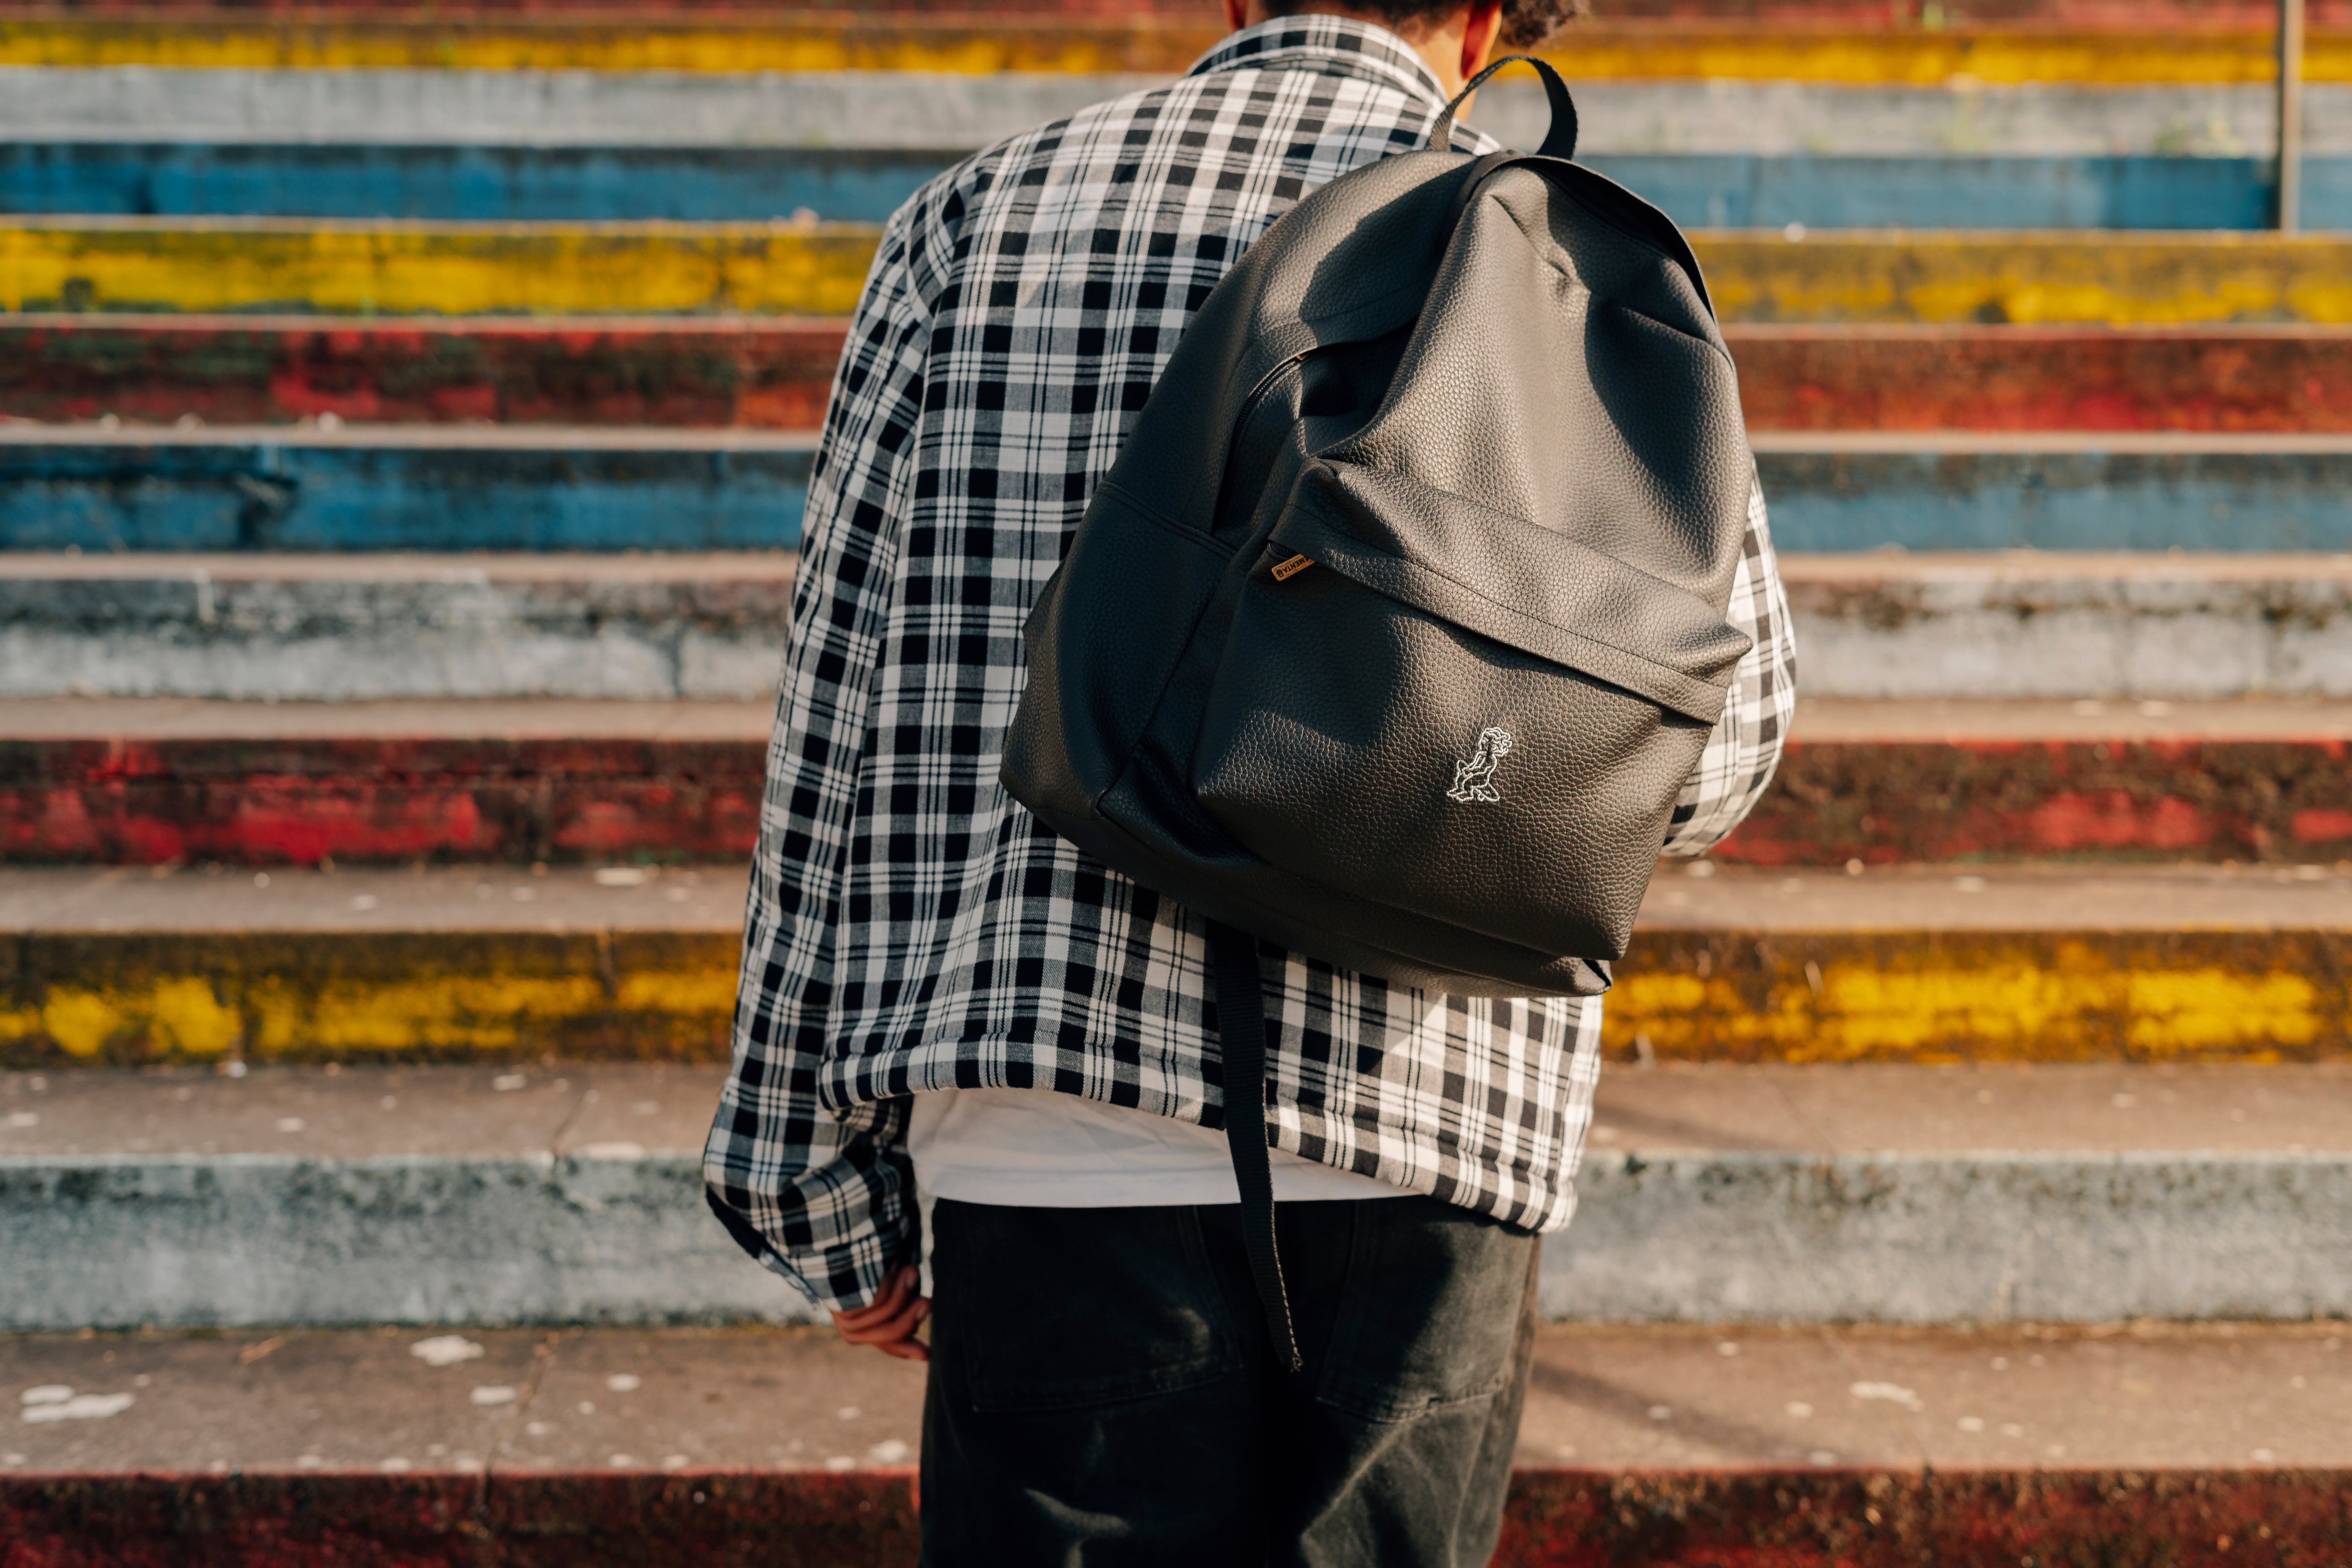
441 490
838 185
511 184
1742 190
2085 491
427 488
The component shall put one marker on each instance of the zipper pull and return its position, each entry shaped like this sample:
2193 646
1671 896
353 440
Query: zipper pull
1286 570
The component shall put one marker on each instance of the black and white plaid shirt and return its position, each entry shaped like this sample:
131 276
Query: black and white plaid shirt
911 927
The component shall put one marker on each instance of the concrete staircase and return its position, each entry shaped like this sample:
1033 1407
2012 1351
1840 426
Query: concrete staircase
407 414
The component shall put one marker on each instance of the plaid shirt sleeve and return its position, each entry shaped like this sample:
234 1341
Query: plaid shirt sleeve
1744 747
825 1198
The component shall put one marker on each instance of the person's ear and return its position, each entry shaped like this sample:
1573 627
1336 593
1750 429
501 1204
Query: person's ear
1480 30
1236 14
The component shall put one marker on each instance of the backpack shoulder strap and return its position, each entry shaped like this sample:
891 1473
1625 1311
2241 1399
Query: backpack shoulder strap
1240 1031
1559 142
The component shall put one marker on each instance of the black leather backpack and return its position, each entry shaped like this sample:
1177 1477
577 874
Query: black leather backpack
1395 630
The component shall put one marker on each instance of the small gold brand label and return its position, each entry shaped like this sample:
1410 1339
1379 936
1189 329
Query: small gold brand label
1291 568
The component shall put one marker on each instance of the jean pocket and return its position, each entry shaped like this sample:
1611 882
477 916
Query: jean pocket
1431 1314
1052 1308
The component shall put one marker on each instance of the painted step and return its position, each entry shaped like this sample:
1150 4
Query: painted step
653 627
1963 192
411 268
518 183
767 373
2183 15
809 41
371 488
2180 16
2061 491
2017 962
2026 379
926 109
494 183
158 781
2043 962
1884 783
394 267
2153 14
2042 277
448 487
775 374
571 1193
663 627
270 783
2194 1446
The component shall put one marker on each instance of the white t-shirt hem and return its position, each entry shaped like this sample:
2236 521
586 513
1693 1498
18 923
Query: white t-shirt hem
1041 1149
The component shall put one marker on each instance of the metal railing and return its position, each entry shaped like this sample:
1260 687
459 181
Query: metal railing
2290 116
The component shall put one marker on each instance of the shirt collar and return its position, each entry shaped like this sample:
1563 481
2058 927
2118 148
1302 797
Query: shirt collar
1339 46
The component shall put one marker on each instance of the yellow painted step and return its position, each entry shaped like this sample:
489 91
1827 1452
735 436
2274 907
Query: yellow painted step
2022 963
419 268
1954 277
1937 58
801 41
2017 963
416 268
126 966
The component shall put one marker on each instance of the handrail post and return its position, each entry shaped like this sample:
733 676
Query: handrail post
2290 115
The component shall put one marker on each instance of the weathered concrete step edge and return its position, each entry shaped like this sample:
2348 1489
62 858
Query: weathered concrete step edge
2020 625
164 735
252 1239
2026 627
931 109
1666 1516
707 628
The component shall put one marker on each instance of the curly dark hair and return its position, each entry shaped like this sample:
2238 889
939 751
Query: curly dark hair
1526 24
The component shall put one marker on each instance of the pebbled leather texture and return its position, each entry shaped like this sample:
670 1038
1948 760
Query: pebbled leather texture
1487 400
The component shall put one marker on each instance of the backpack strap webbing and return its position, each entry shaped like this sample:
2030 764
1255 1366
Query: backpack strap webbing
1241 1026
1559 141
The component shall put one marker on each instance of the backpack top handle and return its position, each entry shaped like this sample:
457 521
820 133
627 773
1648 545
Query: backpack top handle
1559 142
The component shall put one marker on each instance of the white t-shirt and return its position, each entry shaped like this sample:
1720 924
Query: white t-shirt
1027 1148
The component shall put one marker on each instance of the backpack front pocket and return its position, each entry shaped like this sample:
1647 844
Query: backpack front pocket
1379 726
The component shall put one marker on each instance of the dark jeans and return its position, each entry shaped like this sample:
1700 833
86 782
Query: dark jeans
1100 1389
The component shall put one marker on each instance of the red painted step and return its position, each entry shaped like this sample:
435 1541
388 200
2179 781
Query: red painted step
1558 1518
2044 378
768 374
143 782
775 373
2138 1445
148 782
1889 782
